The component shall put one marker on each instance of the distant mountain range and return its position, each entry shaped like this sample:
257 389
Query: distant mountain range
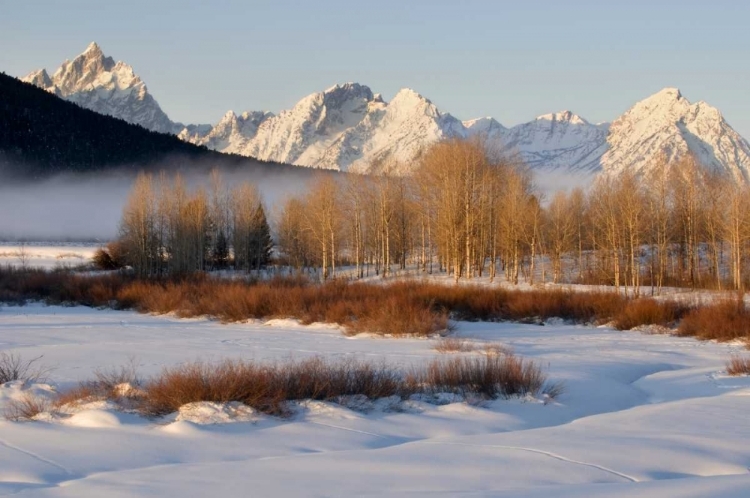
348 127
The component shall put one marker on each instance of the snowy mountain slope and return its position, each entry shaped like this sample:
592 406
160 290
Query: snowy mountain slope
344 127
398 131
667 122
558 141
96 82
230 134
347 127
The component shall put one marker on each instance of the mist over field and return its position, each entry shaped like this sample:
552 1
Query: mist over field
89 206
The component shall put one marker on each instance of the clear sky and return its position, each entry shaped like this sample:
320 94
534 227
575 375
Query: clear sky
510 60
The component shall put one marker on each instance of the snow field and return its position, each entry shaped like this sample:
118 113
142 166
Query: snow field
651 415
48 255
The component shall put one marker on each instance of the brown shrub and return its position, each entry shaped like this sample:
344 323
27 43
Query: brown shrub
83 393
265 387
737 365
491 376
725 321
647 311
26 408
395 309
104 259
14 367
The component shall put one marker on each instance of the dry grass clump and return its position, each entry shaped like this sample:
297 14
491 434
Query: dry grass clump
28 407
267 387
646 311
491 376
725 321
121 385
14 367
737 365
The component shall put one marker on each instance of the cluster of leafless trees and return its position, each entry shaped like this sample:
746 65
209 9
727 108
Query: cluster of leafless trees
468 213
465 212
167 228
462 212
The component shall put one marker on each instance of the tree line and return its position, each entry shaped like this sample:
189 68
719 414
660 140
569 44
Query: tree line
465 212
168 229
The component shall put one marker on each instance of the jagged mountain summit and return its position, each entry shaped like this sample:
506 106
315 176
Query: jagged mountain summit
667 123
345 127
96 82
350 128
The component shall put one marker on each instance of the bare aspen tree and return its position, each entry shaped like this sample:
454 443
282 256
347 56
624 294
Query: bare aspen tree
137 227
736 228
245 200
515 219
659 221
561 229
686 185
293 239
323 220
631 200
606 222
714 203
385 198
354 204
579 212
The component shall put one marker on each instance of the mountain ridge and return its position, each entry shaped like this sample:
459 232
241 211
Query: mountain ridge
349 127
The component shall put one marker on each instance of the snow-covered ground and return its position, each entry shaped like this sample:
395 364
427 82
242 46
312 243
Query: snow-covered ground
645 415
49 255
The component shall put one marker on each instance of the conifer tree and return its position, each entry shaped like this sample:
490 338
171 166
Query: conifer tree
262 243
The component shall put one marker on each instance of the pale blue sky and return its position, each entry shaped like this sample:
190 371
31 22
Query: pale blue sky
511 60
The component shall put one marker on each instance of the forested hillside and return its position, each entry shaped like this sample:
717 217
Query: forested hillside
41 134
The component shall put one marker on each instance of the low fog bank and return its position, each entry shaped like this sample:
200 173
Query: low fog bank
88 206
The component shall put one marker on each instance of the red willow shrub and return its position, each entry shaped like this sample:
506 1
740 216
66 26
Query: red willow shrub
647 311
397 308
266 386
724 321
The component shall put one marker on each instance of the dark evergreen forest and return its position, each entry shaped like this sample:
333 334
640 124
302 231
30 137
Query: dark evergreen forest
42 135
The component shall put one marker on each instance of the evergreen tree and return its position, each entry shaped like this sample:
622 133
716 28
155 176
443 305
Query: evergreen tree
261 245
220 253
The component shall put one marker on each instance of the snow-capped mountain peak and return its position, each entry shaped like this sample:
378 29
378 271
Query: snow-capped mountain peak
93 47
41 79
95 81
667 123
486 126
